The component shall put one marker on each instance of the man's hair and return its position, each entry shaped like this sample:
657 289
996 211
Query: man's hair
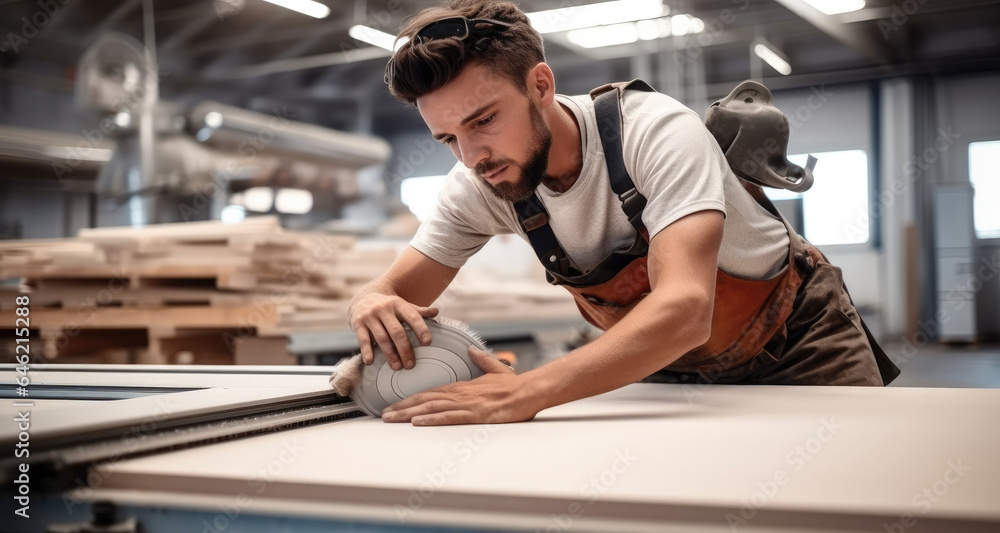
418 69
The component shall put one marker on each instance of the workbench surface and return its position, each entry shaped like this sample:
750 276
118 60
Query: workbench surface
648 457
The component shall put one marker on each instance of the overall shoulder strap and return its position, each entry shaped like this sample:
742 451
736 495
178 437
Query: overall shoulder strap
607 107
534 219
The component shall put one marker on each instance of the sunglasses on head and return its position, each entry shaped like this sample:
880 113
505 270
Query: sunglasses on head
460 27
457 27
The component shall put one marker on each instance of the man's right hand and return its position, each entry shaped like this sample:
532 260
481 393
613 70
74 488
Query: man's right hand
379 318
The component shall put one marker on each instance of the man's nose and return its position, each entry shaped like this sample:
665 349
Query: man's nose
472 153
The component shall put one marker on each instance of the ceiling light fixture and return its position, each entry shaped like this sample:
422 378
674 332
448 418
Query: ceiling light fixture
598 36
588 26
375 37
306 7
630 32
835 7
590 15
770 54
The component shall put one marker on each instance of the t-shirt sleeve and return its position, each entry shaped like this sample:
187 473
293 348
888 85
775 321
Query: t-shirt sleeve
672 158
462 221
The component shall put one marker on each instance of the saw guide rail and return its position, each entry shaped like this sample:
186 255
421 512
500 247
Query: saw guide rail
158 409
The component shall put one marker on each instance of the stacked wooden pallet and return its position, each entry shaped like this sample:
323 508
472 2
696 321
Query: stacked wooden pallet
181 292
218 293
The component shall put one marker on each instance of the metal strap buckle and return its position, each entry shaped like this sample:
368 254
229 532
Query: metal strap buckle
633 203
534 222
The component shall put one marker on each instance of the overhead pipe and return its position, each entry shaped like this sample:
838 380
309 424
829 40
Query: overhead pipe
246 133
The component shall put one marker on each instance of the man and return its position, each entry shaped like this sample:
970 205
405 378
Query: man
702 284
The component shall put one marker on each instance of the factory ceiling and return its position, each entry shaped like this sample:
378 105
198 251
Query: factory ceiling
255 54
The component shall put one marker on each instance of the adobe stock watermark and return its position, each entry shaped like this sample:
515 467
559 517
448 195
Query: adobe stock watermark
65 167
131 440
913 169
30 26
139 434
406 165
985 270
230 512
375 19
462 451
86 311
248 149
323 249
228 8
925 499
765 151
796 459
899 14
695 44
591 491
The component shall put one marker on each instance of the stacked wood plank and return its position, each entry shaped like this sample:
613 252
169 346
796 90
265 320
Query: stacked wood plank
215 285
202 292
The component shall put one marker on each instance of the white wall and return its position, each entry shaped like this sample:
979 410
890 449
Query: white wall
416 154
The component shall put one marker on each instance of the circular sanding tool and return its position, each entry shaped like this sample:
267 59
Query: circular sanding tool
445 360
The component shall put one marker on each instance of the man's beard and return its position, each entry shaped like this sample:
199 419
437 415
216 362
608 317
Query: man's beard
532 171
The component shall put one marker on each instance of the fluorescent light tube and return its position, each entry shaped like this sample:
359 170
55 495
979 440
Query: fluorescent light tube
599 36
834 7
652 29
604 13
587 26
680 25
771 56
306 7
375 37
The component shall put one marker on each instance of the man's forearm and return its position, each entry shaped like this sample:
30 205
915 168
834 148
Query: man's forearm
654 334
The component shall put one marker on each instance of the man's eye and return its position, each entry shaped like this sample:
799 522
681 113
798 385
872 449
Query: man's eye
487 120
448 140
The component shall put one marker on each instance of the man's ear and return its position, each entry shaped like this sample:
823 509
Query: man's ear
541 85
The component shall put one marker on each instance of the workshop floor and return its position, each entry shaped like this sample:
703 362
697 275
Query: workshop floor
937 365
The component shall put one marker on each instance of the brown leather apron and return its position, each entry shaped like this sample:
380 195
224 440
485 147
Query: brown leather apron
747 313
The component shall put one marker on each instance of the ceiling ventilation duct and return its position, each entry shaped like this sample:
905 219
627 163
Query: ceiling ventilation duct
249 133
166 158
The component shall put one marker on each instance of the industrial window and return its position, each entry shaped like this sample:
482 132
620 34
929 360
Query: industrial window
835 209
420 194
984 160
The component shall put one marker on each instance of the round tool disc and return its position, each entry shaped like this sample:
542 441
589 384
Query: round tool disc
445 360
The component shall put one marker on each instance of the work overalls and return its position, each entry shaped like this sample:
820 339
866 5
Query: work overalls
749 335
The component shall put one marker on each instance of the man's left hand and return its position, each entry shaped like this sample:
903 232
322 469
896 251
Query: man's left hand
494 398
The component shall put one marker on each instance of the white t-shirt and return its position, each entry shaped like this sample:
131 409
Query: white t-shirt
674 162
